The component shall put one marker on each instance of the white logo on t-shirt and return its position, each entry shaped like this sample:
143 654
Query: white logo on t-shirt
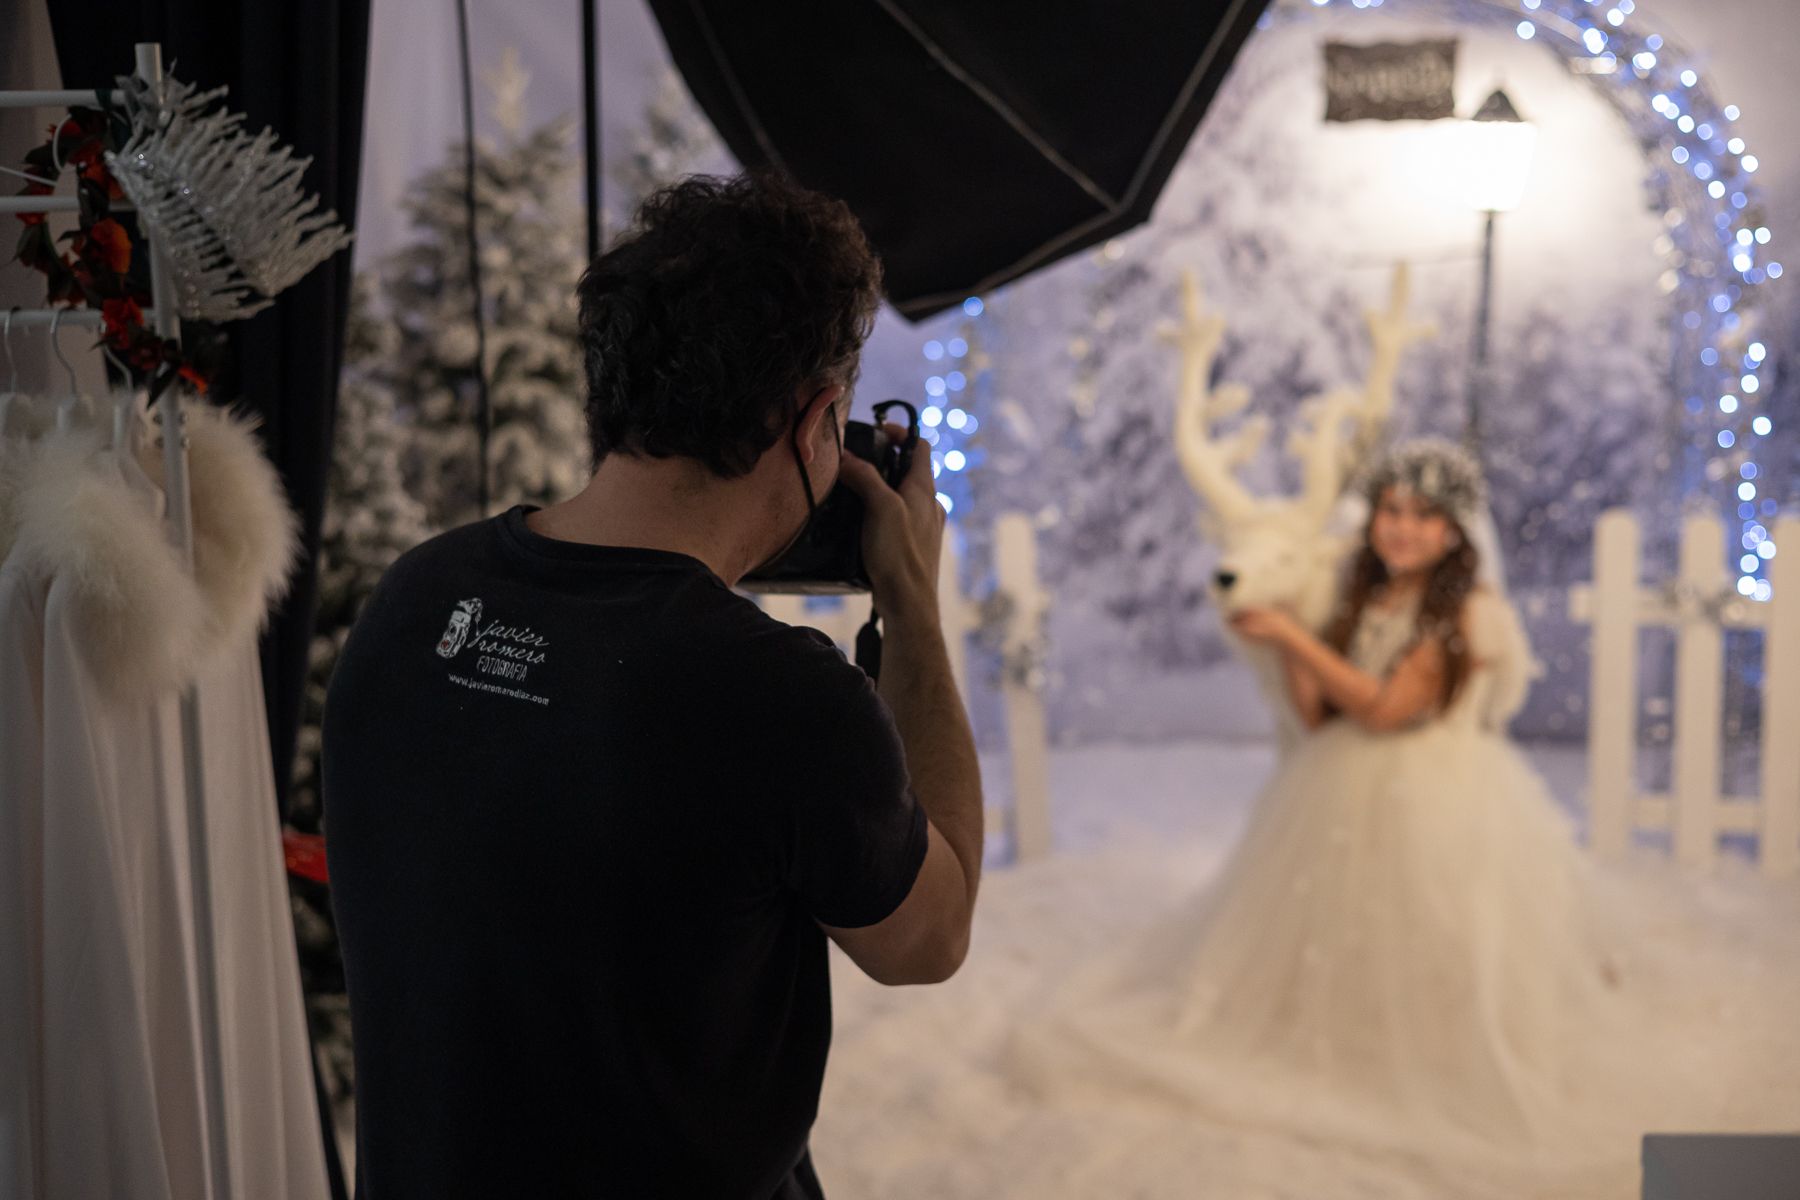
506 651
462 619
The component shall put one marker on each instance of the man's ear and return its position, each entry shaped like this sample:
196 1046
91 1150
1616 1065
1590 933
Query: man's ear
817 408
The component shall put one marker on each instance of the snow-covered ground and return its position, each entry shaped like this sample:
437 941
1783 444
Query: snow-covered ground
916 1102
1116 796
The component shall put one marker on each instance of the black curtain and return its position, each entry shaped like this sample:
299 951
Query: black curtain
300 70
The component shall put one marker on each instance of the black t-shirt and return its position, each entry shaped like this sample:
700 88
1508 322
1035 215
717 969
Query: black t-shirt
585 810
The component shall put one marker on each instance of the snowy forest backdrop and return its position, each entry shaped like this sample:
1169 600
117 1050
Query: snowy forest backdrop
1292 225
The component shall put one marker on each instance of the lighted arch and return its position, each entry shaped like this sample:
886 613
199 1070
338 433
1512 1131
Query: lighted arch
1715 239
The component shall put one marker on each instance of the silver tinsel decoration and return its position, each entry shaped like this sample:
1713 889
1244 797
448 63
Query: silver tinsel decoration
1720 606
1026 664
224 207
1440 471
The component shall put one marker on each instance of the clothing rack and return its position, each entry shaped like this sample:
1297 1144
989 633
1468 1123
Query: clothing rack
167 323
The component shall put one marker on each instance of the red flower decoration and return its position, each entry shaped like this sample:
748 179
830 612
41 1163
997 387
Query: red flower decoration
34 189
305 855
97 273
121 318
109 239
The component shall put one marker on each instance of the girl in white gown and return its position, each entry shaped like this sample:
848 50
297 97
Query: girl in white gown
1407 954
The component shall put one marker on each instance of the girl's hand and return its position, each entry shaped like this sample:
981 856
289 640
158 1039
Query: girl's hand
1265 626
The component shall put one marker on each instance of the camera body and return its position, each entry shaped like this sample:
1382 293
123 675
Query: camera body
827 559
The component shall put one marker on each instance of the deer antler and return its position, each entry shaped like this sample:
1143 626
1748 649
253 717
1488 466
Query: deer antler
1390 333
1209 462
1319 444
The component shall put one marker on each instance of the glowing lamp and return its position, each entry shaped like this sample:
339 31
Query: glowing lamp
1497 155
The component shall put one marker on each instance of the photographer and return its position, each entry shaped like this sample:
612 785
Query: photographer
591 813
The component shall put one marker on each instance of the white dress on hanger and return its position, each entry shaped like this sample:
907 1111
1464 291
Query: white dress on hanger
101 1041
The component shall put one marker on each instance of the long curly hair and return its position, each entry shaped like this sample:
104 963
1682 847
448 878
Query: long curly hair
1440 608
724 297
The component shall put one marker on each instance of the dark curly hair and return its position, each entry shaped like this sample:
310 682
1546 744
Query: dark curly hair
723 298
1440 609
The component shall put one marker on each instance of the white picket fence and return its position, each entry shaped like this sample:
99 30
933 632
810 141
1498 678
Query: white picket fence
1700 606
1024 817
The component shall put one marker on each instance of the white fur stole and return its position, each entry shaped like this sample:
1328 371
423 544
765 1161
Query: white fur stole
146 624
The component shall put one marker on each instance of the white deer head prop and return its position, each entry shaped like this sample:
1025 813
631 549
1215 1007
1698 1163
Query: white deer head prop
1280 551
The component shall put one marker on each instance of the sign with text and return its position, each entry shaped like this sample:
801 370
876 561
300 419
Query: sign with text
1390 81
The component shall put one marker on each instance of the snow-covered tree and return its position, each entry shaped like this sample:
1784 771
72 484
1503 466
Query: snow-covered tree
370 519
674 139
528 224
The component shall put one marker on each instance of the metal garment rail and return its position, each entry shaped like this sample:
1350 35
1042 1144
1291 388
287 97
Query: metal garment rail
167 322
77 98
50 204
60 318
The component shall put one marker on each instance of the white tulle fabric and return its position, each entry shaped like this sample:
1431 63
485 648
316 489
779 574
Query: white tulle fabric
1408 955
1405 981
103 1036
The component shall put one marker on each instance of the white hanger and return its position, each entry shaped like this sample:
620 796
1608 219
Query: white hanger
12 386
124 403
65 405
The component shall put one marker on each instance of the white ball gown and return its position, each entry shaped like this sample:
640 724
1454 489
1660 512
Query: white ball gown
1406 980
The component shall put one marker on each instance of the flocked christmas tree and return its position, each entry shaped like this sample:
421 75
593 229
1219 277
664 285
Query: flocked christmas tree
370 516
674 140
528 224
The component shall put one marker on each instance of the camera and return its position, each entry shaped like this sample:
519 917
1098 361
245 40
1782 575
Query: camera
828 559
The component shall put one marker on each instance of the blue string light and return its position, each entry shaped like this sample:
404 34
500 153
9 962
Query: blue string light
946 423
1669 108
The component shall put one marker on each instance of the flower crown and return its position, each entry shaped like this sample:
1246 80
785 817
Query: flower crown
1441 472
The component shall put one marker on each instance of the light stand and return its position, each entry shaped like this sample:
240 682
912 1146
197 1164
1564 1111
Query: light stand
1499 144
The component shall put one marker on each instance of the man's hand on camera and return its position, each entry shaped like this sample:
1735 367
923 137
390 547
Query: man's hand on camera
903 531
927 937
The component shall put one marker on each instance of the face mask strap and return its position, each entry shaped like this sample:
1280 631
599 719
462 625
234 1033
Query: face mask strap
812 506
